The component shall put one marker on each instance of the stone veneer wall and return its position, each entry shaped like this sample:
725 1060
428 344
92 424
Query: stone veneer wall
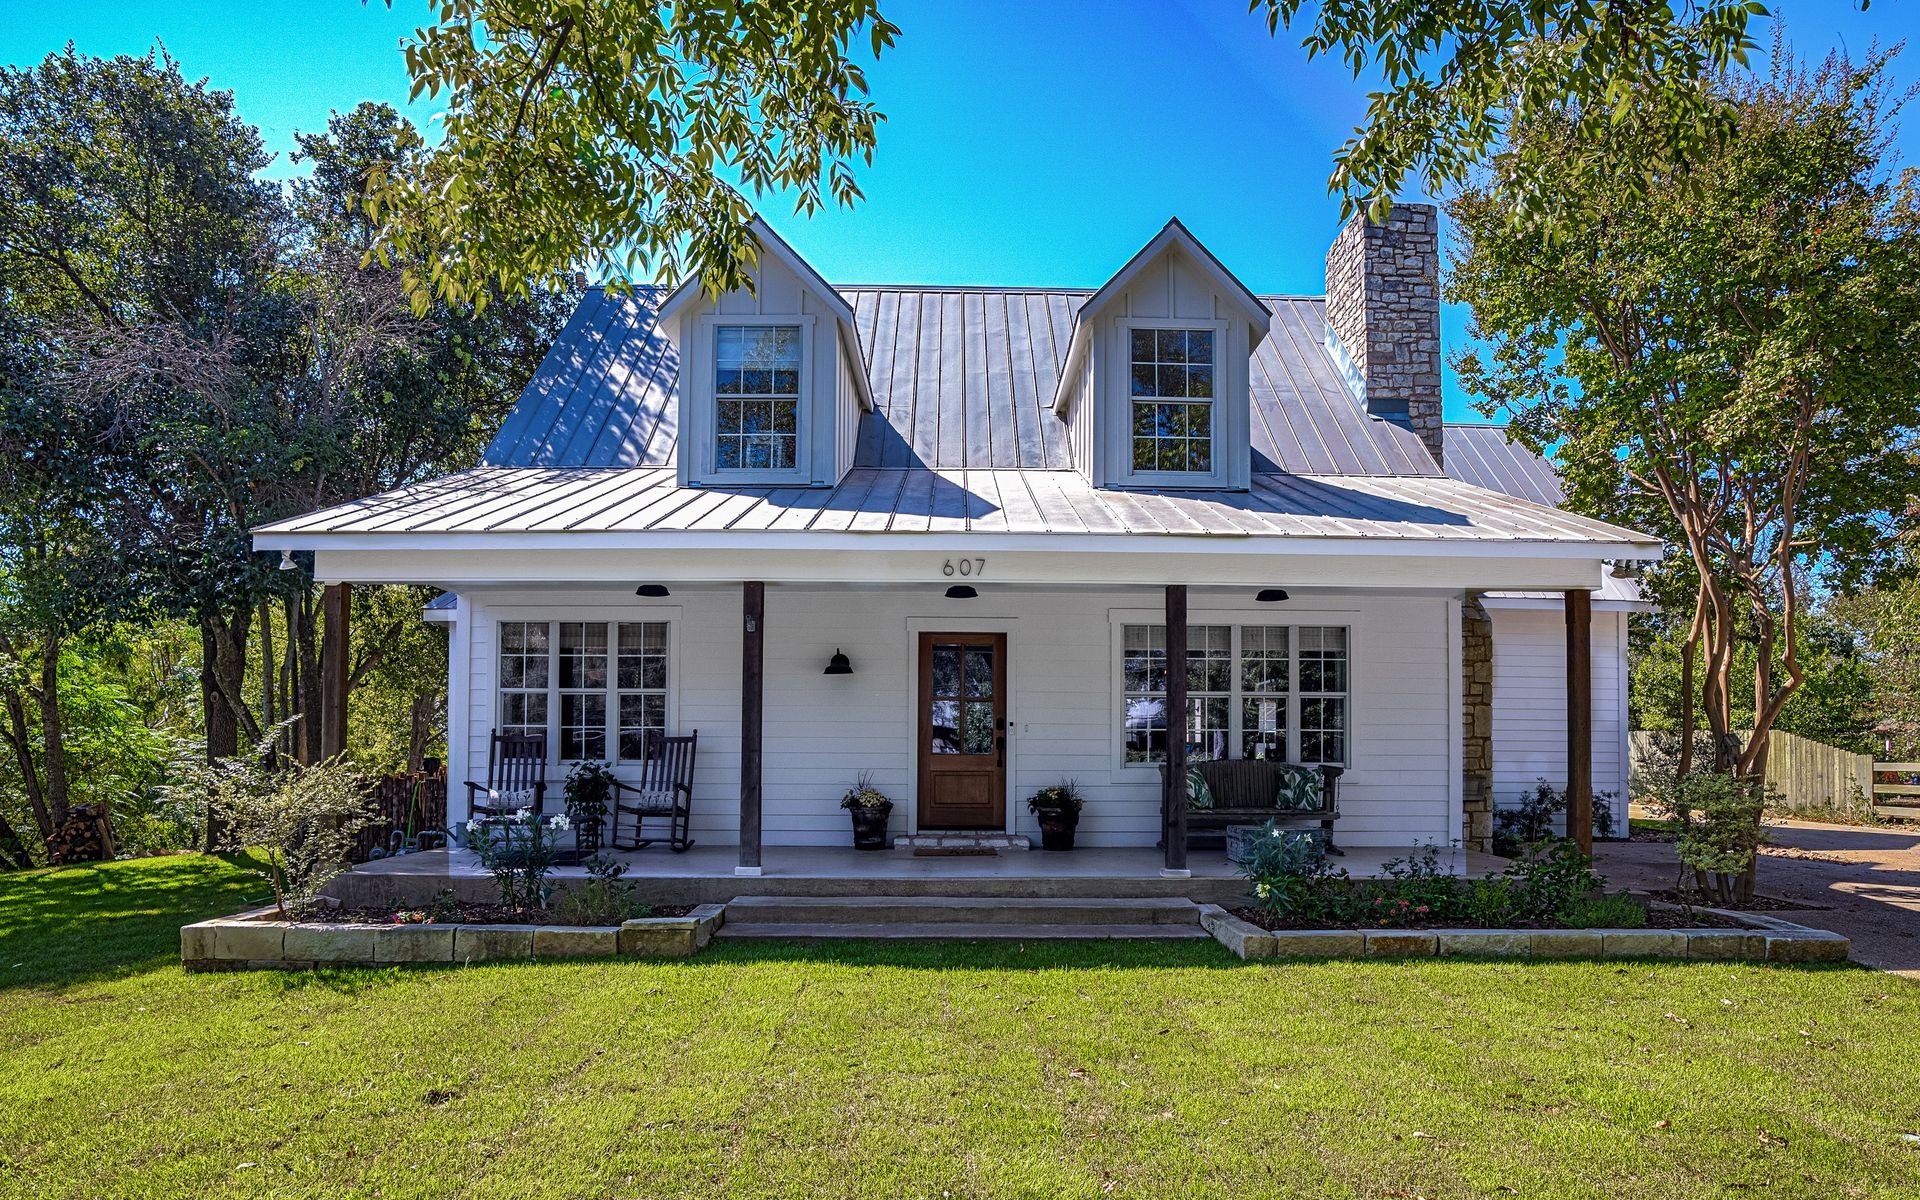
1383 303
1476 757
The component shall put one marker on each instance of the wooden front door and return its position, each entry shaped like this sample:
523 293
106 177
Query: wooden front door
963 731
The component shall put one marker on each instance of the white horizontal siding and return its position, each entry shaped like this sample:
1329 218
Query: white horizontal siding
1530 705
820 731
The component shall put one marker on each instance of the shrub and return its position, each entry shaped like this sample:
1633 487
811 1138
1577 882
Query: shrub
1618 911
1290 875
1533 820
1549 880
1717 832
604 899
518 852
305 819
1489 901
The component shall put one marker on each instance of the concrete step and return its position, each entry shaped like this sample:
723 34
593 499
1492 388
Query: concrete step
963 910
956 930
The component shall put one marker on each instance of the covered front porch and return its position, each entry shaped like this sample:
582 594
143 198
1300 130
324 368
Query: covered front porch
706 874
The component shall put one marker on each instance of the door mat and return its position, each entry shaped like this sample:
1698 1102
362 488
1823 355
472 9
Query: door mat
956 852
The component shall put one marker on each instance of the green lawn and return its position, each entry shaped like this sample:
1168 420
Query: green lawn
957 1071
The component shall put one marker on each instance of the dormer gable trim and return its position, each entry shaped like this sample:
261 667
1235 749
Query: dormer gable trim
1258 316
770 242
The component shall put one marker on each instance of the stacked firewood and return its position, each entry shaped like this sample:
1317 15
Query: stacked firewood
85 836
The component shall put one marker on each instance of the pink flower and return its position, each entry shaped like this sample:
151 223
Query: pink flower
1423 908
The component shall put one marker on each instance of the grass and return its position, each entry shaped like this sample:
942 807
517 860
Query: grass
880 1070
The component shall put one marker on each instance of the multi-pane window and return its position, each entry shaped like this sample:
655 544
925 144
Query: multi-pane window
1265 691
642 685
1209 691
583 689
1323 695
1265 675
1171 373
524 650
757 397
603 683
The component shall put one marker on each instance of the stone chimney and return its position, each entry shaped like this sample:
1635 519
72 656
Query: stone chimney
1383 312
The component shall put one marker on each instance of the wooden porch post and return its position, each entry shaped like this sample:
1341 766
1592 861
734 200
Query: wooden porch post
1579 606
752 675
1173 795
336 602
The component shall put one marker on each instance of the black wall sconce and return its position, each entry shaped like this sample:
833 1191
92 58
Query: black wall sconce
961 591
839 664
652 591
1271 595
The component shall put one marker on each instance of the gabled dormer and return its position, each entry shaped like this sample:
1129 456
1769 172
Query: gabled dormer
771 387
1155 384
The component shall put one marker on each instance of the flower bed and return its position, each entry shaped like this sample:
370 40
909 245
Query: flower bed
1764 940
259 941
455 913
1653 918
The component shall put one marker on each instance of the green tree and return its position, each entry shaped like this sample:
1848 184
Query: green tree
1460 76
1885 623
622 129
1728 360
633 133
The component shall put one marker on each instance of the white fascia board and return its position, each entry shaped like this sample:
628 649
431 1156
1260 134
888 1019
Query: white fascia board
1202 564
756 542
856 364
1555 604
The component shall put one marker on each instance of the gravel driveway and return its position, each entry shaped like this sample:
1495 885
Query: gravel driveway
1863 882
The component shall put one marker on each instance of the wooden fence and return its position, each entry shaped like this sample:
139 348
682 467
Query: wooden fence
1809 774
1896 790
403 812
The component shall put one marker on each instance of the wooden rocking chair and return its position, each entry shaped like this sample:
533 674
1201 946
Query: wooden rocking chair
516 776
665 790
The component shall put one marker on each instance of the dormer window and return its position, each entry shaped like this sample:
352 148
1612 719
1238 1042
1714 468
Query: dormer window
1172 373
756 373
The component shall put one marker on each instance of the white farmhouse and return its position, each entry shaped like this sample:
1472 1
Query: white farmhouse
942 535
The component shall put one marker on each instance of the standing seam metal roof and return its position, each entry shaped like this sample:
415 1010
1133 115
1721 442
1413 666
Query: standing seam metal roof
962 378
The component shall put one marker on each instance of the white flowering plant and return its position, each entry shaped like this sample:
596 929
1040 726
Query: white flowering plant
519 851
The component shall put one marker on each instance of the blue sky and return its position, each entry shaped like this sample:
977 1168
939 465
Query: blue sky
1026 143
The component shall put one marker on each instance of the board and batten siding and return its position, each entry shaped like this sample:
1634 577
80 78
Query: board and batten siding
1530 705
1063 651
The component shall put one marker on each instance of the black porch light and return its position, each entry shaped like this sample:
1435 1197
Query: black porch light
1271 595
961 591
652 591
839 664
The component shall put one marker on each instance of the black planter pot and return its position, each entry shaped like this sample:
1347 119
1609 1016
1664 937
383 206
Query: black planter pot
1056 829
870 827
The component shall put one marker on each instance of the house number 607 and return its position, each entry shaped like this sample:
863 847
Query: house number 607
964 566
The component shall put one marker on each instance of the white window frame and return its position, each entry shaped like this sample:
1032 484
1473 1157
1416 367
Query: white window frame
1122 365
1236 620
553 618
701 384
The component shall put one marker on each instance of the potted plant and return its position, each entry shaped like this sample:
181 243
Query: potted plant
870 809
1057 807
589 787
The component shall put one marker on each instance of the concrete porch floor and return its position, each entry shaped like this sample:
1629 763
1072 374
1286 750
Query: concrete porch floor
705 874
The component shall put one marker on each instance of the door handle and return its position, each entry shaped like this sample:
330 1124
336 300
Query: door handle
1000 745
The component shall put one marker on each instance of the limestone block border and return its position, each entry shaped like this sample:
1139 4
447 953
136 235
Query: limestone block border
254 940
1764 939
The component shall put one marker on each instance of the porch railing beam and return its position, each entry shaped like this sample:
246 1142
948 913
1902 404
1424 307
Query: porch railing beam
752 680
1173 792
1579 606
